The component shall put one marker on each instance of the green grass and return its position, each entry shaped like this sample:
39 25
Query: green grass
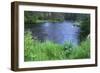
82 51
35 50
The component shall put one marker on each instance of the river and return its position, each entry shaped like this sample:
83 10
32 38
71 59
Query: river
59 32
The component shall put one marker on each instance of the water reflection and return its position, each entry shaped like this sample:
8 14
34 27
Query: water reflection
56 32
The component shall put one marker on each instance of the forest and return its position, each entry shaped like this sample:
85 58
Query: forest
47 37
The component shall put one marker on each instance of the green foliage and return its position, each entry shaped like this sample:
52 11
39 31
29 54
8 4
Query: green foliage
48 50
70 16
30 18
81 51
40 17
40 51
35 50
55 20
84 27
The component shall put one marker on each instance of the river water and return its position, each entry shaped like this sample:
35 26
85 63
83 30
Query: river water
59 32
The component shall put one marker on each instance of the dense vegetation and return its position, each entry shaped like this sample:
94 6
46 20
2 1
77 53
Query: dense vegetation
38 51
40 17
84 28
35 50
37 17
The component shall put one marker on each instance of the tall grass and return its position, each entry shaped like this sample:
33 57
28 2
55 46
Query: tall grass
40 51
82 51
35 50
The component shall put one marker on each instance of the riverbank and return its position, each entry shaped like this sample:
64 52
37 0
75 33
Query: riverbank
41 51
43 21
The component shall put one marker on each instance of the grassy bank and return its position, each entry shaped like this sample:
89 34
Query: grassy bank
35 50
